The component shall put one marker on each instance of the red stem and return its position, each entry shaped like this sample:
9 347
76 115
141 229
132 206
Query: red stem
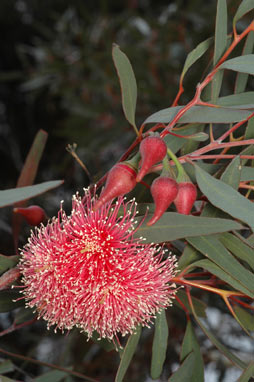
209 77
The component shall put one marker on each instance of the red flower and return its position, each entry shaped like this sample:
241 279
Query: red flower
87 270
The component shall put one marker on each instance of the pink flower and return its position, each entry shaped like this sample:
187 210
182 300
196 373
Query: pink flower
87 270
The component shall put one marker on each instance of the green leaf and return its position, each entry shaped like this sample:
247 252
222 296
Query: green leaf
6 366
199 305
232 174
247 173
160 342
238 248
128 84
222 348
242 78
184 372
222 275
220 44
6 379
247 373
214 250
216 85
200 114
7 262
208 167
7 300
238 100
190 344
199 137
249 133
220 41
189 255
175 143
195 54
225 197
172 226
244 64
32 161
51 376
14 195
244 7
244 317
127 355
27 177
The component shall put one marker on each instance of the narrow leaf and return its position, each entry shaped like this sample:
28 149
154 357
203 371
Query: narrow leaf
183 373
247 173
28 175
51 376
244 317
238 248
6 379
190 344
200 114
160 342
175 143
237 100
249 133
172 226
6 367
195 54
222 348
242 78
214 250
244 64
189 255
220 42
225 197
199 305
222 275
247 373
13 195
7 262
232 174
128 84
127 355
32 161
244 7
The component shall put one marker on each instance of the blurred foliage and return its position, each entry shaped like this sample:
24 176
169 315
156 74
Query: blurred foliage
57 74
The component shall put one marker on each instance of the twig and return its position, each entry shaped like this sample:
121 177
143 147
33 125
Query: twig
35 361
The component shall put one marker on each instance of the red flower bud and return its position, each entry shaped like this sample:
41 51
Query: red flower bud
152 149
164 190
121 179
186 197
34 215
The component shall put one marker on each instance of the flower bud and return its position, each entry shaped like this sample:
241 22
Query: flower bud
186 197
152 149
34 215
164 190
121 179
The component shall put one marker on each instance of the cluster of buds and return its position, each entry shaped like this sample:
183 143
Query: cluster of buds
122 179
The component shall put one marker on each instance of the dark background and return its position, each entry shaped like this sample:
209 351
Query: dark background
57 74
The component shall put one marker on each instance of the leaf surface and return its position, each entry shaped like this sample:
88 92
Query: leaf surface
14 195
127 354
243 64
160 342
128 84
225 197
200 114
172 226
